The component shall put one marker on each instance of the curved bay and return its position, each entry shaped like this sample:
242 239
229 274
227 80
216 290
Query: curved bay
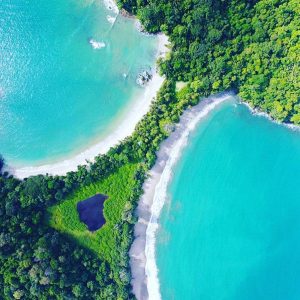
231 229
57 94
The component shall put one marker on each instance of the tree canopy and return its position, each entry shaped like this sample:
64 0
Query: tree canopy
251 46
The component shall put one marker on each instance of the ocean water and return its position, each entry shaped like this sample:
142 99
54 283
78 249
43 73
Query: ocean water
58 95
230 228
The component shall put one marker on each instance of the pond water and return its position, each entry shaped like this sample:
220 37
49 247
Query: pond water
91 212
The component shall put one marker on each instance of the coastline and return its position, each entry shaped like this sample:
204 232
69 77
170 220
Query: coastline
125 127
260 113
145 281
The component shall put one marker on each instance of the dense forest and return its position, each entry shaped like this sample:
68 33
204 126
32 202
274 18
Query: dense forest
249 46
39 262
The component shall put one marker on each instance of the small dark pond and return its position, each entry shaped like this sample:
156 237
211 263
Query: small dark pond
91 211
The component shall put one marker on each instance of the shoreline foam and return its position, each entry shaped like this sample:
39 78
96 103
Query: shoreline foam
125 127
260 113
145 281
111 5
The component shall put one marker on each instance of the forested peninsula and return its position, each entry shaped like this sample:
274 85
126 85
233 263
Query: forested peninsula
251 47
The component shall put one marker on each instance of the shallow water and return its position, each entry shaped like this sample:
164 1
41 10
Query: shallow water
230 228
58 95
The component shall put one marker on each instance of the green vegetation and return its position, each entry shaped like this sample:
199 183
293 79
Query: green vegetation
104 242
38 262
250 46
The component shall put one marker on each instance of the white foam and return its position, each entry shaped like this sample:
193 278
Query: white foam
145 279
155 195
140 28
111 5
125 127
96 45
259 113
111 19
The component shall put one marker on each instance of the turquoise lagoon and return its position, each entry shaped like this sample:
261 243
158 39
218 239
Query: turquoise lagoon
230 229
58 95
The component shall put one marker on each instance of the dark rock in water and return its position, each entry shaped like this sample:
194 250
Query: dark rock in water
143 78
91 211
126 14
139 26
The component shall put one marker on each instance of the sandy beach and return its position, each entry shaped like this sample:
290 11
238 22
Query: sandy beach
125 127
142 253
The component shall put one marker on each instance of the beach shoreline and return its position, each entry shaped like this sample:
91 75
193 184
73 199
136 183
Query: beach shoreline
124 128
260 113
144 281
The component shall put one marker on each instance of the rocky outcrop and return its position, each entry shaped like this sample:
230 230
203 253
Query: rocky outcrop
143 78
126 14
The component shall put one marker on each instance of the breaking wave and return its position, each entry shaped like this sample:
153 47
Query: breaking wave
175 145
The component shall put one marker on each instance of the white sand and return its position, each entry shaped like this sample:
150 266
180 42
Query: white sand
142 253
111 5
124 128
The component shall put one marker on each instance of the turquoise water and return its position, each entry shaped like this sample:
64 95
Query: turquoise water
231 228
58 95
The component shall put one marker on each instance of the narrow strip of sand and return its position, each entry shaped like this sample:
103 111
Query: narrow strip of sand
145 281
124 128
